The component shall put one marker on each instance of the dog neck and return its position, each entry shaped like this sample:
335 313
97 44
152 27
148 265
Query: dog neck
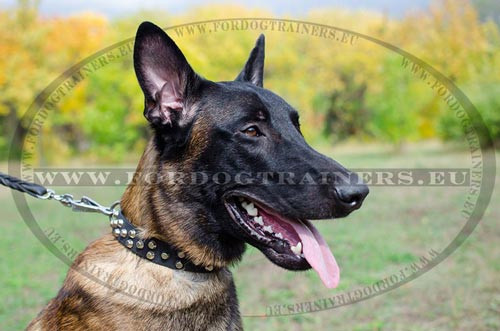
154 208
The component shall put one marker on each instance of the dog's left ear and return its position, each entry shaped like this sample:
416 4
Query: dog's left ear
253 71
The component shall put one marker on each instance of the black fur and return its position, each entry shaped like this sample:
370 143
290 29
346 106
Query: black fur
228 108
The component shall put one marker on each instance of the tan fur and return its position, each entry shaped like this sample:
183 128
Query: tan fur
110 288
106 273
137 207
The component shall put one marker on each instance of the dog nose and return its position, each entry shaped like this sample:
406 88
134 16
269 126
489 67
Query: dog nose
352 196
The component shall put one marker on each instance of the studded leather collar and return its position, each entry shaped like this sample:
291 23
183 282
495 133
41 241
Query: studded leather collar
152 249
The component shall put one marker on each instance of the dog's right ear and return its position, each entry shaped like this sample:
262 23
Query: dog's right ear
165 76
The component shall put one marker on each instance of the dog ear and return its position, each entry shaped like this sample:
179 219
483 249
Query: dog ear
165 76
253 71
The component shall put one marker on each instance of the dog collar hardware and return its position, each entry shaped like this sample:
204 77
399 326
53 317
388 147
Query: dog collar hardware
152 249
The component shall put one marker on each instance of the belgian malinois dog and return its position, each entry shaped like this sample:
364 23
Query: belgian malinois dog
235 128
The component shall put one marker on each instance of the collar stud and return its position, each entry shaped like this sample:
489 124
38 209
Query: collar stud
156 250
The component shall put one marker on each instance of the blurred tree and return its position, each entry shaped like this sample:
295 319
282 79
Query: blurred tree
466 50
16 31
344 110
347 90
396 103
488 10
34 51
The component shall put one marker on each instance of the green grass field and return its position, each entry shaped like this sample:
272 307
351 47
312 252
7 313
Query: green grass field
394 228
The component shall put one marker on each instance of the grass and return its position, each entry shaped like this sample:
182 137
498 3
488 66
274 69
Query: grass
394 228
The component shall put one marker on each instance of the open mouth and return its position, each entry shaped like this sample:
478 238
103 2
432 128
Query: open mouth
293 244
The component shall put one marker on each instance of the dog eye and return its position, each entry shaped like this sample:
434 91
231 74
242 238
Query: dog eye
252 131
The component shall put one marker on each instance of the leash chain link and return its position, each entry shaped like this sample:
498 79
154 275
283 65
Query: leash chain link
85 204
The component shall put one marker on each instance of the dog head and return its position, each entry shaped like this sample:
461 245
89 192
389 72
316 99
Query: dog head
256 180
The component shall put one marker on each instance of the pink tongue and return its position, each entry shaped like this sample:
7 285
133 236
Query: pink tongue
317 253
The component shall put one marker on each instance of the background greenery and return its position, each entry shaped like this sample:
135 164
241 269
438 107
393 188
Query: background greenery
359 92
357 104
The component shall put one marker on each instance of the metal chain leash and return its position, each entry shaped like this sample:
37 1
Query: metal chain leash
85 204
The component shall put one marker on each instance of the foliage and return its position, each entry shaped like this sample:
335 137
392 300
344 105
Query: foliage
487 102
342 91
345 113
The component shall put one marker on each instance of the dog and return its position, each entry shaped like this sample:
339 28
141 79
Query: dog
199 126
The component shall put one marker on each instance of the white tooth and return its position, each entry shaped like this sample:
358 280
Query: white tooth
297 249
258 220
278 235
268 228
251 210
